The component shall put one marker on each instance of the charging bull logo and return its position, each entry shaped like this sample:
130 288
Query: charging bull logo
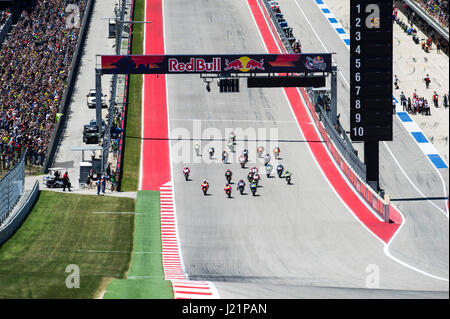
244 64
318 63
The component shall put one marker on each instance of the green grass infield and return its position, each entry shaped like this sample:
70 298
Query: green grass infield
63 230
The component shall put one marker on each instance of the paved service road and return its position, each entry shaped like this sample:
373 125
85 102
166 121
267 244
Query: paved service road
297 241
97 42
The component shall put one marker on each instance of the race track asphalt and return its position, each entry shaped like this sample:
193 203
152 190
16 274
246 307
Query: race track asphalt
415 186
291 241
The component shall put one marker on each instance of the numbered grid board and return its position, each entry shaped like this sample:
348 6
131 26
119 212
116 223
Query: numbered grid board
371 76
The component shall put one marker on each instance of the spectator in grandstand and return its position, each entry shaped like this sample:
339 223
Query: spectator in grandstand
34 65
436 8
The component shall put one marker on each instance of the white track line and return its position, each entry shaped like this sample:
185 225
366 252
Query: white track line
143 103
386 246
384 142
185 293
415 187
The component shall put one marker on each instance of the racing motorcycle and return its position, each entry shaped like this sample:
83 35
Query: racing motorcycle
228 175
241 186
276 153
224 157
205 187
242 161
288 177
245 154
253 188
260 151
228 190
230 145
269 168
256 178
266 159
186 173
280 170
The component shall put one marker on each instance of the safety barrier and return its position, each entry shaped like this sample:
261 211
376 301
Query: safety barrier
329 135
11 188
65 101
344 145
9 228
112 101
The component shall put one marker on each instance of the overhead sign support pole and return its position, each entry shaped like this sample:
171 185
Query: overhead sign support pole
371 111
334 94
98 103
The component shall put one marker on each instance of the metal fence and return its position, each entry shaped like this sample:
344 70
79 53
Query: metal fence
343 144
120 15
340 147
11 188
341 141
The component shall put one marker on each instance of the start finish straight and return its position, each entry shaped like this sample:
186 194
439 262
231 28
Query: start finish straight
250 138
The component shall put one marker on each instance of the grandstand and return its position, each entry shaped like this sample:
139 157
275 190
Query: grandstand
34 65
438 9
431 16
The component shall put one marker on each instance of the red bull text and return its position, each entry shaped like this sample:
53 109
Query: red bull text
195 65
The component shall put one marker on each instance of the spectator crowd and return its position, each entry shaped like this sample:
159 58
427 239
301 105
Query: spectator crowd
436 8
34 66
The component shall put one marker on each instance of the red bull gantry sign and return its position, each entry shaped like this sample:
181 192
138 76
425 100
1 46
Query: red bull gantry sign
233 63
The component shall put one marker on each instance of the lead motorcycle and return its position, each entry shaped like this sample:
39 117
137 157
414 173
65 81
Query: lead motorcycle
205 187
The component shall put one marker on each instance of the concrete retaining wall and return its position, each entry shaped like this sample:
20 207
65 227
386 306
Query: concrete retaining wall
10 227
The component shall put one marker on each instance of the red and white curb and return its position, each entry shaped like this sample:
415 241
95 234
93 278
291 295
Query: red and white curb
171 257
190 289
